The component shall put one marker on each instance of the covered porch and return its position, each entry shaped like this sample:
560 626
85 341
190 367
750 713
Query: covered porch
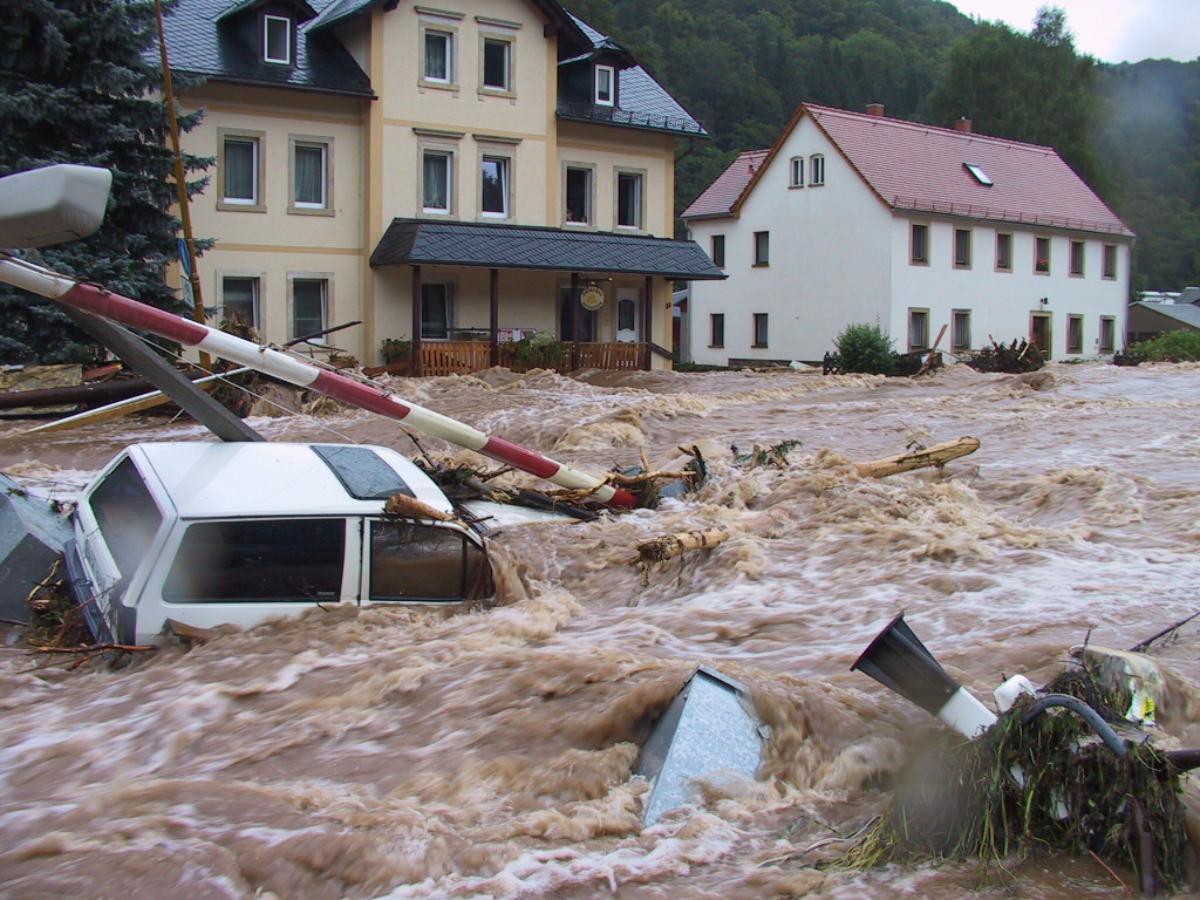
479 295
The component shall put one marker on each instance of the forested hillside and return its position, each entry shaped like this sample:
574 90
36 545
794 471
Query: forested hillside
742 66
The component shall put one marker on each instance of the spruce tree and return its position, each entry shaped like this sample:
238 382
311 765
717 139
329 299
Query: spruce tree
77 86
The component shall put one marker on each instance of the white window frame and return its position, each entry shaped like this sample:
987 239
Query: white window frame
590 170
449 155
640 217
448 35
256 139
506 169
298 207
816 170
256 302
508 89
612 86
326 280
287 23
796 172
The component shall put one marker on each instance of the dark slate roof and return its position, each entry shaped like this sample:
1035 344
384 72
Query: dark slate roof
644 102
337 12
424 242
198 44
1186 313
240 6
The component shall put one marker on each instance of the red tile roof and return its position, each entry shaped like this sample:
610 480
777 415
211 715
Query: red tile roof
920 167
720 196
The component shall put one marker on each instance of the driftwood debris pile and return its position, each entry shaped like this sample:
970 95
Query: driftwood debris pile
1015 358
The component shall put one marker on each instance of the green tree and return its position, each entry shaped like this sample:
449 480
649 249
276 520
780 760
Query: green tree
1033 88
75 87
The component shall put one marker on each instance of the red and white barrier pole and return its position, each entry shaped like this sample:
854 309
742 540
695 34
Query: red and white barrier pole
90 298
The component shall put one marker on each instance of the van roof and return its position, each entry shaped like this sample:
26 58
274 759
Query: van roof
219 480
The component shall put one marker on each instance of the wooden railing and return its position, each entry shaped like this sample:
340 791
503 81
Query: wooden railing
455 357
615 355
465 357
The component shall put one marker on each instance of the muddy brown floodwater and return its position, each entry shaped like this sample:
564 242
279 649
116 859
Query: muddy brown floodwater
414 754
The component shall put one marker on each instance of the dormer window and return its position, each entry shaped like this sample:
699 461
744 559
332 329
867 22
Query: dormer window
606 86
277 40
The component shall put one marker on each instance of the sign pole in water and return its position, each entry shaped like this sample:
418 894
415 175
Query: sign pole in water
97 300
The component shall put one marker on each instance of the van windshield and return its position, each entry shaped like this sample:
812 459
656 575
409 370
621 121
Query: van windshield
126 514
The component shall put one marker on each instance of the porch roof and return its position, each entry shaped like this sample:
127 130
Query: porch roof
483 245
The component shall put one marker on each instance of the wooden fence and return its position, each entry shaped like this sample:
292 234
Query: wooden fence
454 357
465 357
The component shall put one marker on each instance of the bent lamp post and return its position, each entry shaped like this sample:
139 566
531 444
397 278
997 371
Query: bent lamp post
28 218
899 661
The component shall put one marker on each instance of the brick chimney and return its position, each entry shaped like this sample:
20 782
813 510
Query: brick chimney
875 109
963 125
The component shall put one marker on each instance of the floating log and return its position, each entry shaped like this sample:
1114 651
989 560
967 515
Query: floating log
671 545
924 458
123 408
93 394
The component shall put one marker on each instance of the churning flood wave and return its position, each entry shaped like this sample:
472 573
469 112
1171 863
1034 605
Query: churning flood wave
412 753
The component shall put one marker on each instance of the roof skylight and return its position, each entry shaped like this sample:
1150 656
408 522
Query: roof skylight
978 173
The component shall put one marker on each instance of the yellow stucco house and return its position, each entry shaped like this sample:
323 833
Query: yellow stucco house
501 162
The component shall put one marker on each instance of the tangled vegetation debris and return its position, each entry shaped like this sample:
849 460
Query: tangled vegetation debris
1019 356
1040 782
775 456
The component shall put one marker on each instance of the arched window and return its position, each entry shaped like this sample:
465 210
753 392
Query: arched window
816 170
796 172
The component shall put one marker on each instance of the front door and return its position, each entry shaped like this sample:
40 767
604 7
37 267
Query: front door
569 308
628 307
1039 333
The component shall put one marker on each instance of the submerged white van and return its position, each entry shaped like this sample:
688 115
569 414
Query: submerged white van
206 534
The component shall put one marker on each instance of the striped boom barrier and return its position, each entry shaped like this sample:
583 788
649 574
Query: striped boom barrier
93 299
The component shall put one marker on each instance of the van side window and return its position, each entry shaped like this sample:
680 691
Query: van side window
282 560
421 562
126 514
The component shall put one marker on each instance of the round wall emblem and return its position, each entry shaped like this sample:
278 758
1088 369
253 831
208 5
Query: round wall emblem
591 298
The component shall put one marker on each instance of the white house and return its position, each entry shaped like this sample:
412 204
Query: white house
855 217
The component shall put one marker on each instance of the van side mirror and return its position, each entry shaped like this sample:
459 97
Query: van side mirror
52 205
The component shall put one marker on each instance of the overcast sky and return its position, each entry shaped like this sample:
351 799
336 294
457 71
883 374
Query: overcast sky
1110 30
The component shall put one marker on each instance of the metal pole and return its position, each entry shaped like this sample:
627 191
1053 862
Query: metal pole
93 299
495 317
185 214
647 320
415 367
